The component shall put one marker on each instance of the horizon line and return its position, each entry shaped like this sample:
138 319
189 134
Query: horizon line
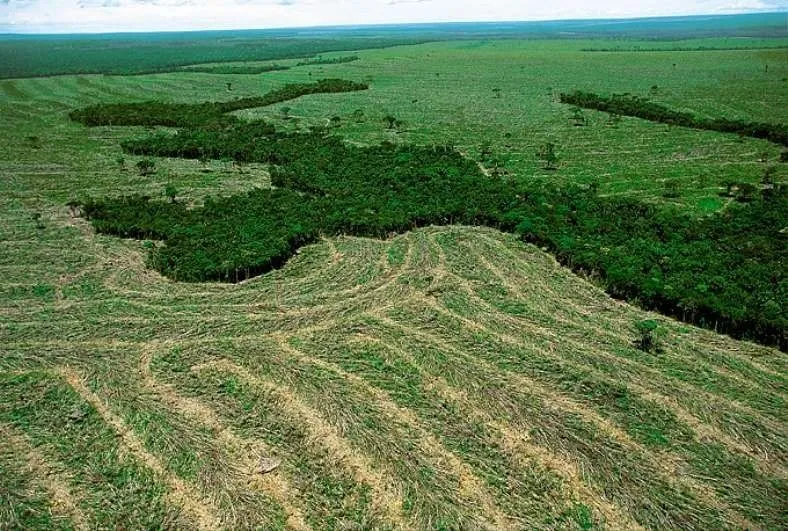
5 30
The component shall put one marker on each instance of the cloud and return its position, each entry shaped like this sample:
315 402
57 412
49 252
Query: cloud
155 15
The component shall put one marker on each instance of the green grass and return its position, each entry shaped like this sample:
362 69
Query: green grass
464 378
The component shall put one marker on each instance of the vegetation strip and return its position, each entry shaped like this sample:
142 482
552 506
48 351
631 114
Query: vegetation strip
627 105
200 114
721 272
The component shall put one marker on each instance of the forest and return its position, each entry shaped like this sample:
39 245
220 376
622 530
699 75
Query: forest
723 271
328 60
639 107
152 113
235 69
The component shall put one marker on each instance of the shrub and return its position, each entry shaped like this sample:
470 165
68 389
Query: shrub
647 336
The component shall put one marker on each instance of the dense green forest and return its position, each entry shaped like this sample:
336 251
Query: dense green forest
328 60
157 53
723 271
151 113
235 69
628 105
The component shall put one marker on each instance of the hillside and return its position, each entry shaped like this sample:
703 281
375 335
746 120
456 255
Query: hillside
449 377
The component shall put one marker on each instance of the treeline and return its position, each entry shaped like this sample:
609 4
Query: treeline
161 53
328 60
229 69
627 105
190 115
725 271
683 49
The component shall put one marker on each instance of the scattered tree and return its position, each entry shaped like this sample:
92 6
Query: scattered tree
121 162
391 121
171 192
546 153
672 189
647 340
146 166
578 117
36 217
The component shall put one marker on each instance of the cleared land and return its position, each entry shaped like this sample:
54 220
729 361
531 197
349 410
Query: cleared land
445 378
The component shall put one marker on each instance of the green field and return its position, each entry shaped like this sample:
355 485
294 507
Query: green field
444 378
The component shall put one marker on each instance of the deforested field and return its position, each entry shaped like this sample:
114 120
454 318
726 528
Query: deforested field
444 377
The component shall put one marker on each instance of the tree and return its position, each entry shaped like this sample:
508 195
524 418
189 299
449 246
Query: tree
204 160
391 121
485 151
647 340
36 217
335 121
578 117
171 192
229 87
547 154
497 92
285 113
671 189
121 162
358 116
146 166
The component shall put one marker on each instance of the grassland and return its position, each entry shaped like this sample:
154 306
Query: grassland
444 378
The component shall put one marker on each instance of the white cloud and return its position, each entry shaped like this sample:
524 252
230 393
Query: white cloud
141 15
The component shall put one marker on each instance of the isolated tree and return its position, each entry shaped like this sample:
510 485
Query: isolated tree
229 87
767 183
485 151
671 189
285 113
497 92
391 121
121 162
613 119
146 166
647 340
204 160
546 153
171 192
335 121
578 117
36 217
34 141
358 116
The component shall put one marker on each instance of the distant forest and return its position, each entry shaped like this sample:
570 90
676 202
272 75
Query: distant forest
121 54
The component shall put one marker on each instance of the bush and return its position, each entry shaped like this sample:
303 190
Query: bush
647 336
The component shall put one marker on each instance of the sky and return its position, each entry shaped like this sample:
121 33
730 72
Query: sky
58 16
